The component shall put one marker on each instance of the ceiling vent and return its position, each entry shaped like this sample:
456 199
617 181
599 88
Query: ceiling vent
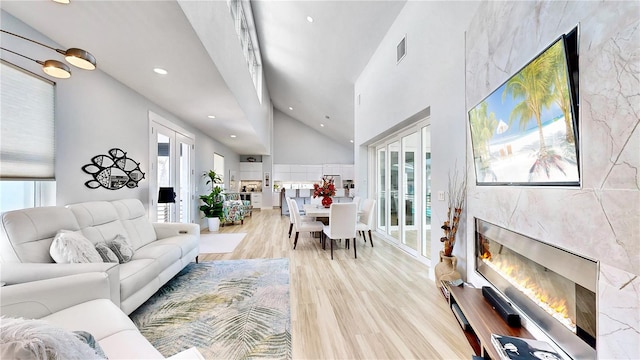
401 49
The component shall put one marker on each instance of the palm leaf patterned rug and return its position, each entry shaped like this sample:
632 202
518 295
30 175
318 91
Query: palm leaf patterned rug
228 309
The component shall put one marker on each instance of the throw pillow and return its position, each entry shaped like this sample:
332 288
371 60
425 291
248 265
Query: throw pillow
72 247
88 339
38 339
120 246
106 253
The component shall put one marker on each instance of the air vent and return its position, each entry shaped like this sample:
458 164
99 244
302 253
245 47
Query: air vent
401 49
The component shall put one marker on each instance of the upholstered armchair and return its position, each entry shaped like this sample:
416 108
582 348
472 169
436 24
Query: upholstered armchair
233 209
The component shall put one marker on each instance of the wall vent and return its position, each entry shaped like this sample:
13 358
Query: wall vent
401 49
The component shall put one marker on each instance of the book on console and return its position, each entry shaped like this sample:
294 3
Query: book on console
516 348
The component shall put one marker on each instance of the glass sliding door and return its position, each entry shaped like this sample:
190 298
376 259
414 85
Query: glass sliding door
410 215
381 186
394 188
426 191
403 188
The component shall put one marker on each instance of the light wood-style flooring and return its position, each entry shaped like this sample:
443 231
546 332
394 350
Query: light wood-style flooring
381 305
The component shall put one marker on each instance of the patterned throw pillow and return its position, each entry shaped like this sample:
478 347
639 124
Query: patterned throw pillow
120 246
38 339
73 247
106 253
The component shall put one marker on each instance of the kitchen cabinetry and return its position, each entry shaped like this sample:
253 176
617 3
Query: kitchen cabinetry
310 173
250 171
256 200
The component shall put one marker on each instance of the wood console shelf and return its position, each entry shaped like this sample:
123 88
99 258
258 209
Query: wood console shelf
483 320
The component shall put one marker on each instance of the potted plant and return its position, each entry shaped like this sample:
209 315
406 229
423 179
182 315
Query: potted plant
212 207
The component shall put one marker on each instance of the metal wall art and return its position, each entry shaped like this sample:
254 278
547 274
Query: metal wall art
113 171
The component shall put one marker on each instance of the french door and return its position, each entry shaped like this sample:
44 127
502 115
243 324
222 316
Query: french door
173 165
402 165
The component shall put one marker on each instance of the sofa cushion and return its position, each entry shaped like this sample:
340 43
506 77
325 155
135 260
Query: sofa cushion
37 339
186 243
116 333
135 274
27 233
134 218
98 220
71 247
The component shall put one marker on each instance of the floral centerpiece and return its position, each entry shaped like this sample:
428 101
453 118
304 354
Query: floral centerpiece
326 190
457 197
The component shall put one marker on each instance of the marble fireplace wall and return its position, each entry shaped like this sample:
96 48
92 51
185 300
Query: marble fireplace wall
600 220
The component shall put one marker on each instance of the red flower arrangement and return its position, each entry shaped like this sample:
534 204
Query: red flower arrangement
327 190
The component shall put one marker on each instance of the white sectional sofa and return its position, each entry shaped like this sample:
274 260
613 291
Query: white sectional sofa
80 302
161 250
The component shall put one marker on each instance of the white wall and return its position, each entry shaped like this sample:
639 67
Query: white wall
296 143
214 25
430 76
601 219
94 113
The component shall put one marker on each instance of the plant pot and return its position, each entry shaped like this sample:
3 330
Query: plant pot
327 201
446 269
214 224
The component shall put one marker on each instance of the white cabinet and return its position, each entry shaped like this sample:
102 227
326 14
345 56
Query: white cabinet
256 200
309 173
347 172
250 171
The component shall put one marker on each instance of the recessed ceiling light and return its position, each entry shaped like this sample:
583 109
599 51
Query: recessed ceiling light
290 108
232 136
160 71
61 1
211 116
321 125
351 141
309 19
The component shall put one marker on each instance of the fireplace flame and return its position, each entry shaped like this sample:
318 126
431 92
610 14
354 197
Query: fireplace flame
553 305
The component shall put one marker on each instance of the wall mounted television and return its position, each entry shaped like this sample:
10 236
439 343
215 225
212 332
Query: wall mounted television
526 131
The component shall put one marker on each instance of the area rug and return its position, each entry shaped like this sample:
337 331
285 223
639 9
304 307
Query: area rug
219 243
228 309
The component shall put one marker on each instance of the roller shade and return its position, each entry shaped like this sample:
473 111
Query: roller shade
27 145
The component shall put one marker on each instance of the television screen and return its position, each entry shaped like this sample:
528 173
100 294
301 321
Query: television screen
524 133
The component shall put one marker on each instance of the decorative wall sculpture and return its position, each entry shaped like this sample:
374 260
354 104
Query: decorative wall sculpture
113 171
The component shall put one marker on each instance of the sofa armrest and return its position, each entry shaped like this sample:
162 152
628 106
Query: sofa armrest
166 230
17 273
36 299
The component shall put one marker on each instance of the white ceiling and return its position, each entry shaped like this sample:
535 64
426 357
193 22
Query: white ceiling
311 67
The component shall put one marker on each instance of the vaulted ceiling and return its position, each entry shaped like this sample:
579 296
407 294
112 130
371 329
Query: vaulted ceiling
310 67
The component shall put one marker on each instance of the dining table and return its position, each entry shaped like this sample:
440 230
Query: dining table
318 211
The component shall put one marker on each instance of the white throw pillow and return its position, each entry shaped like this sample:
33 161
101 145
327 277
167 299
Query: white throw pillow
121 247
38 339
72 247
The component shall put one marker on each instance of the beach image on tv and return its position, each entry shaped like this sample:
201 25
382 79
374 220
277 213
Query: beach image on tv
523 133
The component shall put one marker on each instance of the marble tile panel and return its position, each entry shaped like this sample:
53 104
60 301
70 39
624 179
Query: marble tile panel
619 318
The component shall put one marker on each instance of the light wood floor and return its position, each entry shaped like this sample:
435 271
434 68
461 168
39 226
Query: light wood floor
381 305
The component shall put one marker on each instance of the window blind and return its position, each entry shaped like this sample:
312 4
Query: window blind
27 143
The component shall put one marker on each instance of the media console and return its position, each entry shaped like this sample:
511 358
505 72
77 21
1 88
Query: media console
479 320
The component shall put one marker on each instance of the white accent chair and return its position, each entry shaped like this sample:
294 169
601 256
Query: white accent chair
304 226
342 224
366 219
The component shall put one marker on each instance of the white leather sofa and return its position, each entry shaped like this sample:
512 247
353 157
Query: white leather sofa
80 302
161 249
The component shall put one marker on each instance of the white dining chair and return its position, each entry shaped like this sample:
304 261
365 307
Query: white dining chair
302 226
366 219
356 199
342 225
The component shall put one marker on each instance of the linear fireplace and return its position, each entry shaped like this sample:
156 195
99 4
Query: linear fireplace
554 288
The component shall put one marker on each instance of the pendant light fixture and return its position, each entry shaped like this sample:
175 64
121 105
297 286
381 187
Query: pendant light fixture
74 56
